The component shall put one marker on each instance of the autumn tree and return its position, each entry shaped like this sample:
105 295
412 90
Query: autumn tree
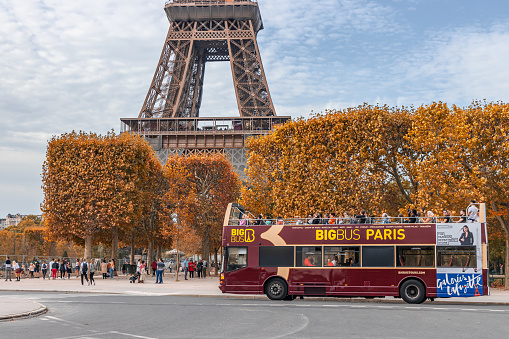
95 186
199 190
487 166
340 160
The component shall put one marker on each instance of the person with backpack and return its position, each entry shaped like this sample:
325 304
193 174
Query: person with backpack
84 271
199 267
44 269
204 269
54 269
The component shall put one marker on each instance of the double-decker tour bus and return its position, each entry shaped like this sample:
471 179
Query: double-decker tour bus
288 258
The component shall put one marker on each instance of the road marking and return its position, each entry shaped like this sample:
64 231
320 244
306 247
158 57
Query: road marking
304 324
131 335
84 335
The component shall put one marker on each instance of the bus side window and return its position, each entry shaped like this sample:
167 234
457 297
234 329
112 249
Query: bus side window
415 256
456 256
309 256
341 256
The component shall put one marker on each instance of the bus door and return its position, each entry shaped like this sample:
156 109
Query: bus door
239 276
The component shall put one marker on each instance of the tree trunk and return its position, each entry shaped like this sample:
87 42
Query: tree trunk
216 266
206 252
159 251
114 248
150 256
89 241
132 249
52 249
506 270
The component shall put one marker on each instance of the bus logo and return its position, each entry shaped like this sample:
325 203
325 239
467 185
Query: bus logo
243 235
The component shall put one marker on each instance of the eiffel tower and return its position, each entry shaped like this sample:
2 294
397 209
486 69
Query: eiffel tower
200 32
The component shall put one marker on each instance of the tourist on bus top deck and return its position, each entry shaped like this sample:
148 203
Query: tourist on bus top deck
463 216
413 217
473 212
446 217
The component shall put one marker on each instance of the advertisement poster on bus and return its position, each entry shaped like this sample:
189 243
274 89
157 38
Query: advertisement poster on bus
459 259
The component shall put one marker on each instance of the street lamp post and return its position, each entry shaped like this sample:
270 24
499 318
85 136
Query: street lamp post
177 264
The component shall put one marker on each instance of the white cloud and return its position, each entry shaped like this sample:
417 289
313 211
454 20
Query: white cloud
458 67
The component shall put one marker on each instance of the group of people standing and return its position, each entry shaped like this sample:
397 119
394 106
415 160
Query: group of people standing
60 268
191 266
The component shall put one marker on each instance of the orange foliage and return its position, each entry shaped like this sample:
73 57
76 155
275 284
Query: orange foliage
199 190
93 184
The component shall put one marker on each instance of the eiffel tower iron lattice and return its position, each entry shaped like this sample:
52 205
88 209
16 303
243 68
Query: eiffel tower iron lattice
201 32
204 31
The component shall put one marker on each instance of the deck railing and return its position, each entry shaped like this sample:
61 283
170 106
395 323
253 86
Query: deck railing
251 221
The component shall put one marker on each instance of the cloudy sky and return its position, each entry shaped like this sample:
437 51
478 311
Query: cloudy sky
83 65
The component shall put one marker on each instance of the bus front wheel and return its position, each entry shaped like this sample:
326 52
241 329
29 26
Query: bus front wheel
276 289
412 291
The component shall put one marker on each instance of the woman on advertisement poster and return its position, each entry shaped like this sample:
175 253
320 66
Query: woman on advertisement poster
467 238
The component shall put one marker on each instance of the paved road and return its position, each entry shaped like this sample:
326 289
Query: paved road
114 316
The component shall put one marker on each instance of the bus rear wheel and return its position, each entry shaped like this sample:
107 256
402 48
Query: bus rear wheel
412 291
276 289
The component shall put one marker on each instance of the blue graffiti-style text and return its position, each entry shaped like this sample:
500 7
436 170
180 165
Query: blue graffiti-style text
458 284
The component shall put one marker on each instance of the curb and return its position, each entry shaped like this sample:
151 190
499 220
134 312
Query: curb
350 300
41 310
442 301
60 291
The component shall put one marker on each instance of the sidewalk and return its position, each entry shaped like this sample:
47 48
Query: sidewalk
205 287
13 308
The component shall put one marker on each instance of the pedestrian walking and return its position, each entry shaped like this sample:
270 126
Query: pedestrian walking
63 269
37 268
159 272
69 270
84 271
186 268
112 268
199 267
204 269
77 267
44 269
92 271
54 269
192 268
143 272
104 268
8 269
154 268
31 270
17 270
